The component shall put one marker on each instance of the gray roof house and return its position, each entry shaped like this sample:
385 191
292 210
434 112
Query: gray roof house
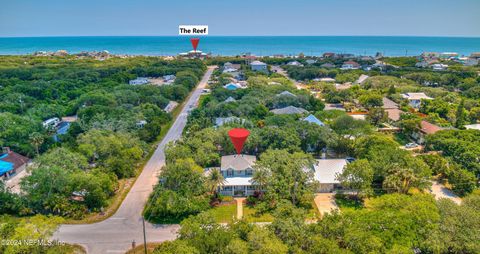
230 99
170 106
415 99
389 104
286 93
288 110
237 171
295 63
220 121
327 65
258 66
391 107
362 79
139 81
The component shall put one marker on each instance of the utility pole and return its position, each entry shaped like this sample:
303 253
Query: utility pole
144 236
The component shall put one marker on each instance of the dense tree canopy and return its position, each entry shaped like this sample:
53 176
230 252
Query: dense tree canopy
392 223
394 213
78 172
289 176
180 192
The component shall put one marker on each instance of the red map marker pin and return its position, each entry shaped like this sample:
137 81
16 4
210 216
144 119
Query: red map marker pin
194 42
238 137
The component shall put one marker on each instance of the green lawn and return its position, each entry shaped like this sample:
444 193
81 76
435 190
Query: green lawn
224 213
202 98
249 214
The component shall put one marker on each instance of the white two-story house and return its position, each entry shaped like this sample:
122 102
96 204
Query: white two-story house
238 172
415 99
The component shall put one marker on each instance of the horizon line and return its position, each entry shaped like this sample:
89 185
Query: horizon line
72 36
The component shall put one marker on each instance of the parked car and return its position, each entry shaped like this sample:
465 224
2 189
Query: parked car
411 145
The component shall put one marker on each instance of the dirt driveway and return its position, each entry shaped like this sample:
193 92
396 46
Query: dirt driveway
325 202
440 191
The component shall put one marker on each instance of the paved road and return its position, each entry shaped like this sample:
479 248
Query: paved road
115 234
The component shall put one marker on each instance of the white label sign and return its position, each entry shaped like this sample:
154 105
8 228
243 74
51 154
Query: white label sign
193 30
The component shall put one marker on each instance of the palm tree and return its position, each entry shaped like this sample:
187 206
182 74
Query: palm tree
215 180
261 176
400 180
36 139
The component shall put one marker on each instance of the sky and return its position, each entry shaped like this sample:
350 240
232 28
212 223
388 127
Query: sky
25 18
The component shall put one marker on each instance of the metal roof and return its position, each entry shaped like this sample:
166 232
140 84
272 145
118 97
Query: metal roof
312 119
326 170
236 181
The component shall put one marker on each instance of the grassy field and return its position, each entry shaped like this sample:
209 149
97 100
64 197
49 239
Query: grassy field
224 213
202 98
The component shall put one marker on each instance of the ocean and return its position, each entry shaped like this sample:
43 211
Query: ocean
235 45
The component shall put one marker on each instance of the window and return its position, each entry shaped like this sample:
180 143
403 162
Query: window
248 172
229 172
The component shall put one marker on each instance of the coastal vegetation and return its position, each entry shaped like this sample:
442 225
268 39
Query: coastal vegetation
390 211
274 137
32 235
387 208
77 173
453 104
392 223
387 168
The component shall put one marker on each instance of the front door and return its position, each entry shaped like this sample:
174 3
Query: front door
239 191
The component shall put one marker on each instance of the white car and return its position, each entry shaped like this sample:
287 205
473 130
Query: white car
411 145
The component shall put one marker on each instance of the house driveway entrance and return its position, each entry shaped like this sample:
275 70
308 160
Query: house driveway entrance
325 202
